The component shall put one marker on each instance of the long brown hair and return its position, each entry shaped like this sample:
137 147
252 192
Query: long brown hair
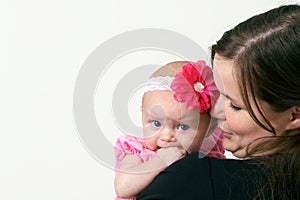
266 54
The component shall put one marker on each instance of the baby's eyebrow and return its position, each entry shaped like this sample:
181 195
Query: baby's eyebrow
154 114
188 119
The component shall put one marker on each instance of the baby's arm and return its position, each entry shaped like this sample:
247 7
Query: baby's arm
134 175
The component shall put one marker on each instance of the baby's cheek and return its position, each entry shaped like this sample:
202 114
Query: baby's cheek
187 141
149 131
151 143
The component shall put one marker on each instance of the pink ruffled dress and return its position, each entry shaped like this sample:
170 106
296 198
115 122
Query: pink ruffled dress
211 146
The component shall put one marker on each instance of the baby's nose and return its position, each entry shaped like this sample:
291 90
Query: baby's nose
167 135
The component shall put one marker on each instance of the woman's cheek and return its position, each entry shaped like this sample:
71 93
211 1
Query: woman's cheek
239 122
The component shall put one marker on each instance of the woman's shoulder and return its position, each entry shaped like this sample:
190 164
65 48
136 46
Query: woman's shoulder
196 164
201 161
200 177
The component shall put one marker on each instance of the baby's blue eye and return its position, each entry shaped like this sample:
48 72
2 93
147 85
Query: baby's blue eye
183 127
156 123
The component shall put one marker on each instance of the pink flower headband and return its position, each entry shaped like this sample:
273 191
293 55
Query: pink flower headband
195 86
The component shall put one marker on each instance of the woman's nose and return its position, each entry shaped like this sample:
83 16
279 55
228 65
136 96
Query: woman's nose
223 125
218 110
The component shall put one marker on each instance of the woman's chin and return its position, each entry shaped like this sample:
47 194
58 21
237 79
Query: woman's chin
240 153
237 152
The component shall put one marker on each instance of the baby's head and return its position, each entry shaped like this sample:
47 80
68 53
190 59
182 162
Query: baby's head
175 106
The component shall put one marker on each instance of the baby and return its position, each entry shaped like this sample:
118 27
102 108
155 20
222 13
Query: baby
175 119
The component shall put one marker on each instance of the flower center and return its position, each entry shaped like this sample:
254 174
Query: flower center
199 87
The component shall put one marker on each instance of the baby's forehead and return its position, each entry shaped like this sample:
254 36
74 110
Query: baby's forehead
162 101
172 115
163 95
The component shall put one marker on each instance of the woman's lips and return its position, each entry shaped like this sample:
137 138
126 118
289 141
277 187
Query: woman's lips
226 134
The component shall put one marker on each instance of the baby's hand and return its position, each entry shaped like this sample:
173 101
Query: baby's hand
171 154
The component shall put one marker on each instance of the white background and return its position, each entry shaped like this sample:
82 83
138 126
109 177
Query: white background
43 45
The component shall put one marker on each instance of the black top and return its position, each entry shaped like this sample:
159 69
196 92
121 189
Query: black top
195 177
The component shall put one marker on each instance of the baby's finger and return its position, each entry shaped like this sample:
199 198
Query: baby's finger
184 152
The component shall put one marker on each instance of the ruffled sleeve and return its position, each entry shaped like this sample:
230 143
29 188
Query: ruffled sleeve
131 145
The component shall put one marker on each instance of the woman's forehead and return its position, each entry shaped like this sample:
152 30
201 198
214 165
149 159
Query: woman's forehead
224 79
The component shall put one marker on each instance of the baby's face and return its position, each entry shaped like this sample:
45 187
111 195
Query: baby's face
167 122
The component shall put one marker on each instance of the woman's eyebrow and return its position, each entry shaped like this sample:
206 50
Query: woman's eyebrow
225 95
228 97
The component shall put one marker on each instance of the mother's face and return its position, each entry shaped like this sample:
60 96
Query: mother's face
239 129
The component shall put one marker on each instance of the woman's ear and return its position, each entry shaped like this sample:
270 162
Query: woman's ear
294 118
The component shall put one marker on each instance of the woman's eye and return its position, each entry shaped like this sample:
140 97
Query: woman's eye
183 127
234 107
156 123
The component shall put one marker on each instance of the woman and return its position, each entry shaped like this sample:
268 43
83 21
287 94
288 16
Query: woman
257 70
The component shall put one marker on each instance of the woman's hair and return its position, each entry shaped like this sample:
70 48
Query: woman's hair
266 54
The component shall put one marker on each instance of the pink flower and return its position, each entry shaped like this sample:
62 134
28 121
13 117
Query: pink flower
195 86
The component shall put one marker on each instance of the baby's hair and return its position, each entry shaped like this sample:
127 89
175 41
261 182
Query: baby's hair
170 69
